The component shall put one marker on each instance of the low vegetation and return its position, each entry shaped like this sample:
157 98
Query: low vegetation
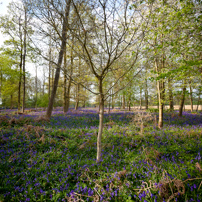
56 160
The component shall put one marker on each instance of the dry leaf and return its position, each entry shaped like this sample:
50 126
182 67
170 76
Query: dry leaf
198 167
84 144
42 139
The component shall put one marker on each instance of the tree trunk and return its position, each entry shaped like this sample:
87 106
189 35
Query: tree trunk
101 117
44 79
160 65
52 79
146 95
77 96
109 104
68 95
191 97
160 123
161 102
24 60
20 65
59 63
84 104
65 82
36 89
84 98
140 98
120 98
171 106
112 100
49 70
19 83
70 76
199 98
11 103
129 107
157 94
78 86
124 102
161 92
182 100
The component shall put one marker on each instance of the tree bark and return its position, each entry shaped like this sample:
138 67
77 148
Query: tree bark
78 86
44 79
68 94
77 96
191 97
161 92
112 100
52 79
59 63
36 89
101 117
24 60
129 107
140 98
109 108
120 98
65 81
70 76
124 102
160 123
19 83
182 100
69 86
199 98
20 65
11 103
171 105
146 95
49 70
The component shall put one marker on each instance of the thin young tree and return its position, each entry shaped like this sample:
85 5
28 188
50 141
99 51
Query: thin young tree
107 30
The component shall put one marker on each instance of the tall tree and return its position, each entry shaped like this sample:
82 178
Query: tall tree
16 25
60 58
24 55
182 100
173 39
54 16
65 81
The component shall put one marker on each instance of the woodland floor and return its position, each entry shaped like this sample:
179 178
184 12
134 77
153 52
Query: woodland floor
55 160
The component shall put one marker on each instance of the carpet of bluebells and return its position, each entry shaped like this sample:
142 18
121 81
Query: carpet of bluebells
55 160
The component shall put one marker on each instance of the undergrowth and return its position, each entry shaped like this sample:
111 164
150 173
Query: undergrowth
55 160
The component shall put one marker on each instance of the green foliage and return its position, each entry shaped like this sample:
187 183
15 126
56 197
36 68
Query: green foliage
9 80
43 100
152 110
